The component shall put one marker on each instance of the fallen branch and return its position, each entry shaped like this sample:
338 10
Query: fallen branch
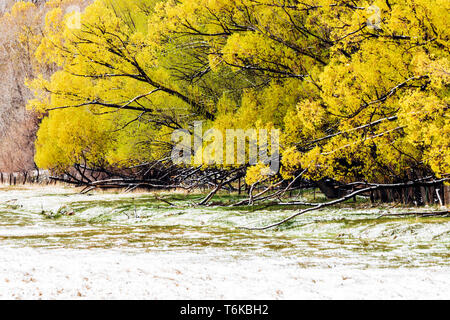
165 201
373 187
259 196
218 187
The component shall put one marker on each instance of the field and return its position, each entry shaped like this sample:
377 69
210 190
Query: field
58 244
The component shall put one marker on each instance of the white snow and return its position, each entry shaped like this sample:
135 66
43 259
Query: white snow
158 270
71 274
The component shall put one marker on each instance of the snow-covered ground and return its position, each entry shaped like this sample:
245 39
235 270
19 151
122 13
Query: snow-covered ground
194 254
68 274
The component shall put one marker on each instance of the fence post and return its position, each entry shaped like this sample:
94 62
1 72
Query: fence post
446 191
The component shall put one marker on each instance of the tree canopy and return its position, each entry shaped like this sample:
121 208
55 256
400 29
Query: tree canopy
359 90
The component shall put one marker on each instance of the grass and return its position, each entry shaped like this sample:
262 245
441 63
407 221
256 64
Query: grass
144 206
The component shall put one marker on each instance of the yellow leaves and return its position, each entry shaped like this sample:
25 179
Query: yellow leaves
428 128
105 103
253 48
341 89
65 138
291 162
310 119
21 9
257 173
374 71
23 30
437 68
377 49
53 19
335 82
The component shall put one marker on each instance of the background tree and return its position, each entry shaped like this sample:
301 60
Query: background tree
21 26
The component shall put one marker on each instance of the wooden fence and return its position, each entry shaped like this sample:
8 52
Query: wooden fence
429 195
26 177
438 194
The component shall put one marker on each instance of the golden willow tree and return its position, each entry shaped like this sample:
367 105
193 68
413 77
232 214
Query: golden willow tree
359 90
118 93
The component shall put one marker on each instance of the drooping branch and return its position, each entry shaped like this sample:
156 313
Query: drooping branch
374 123
373 187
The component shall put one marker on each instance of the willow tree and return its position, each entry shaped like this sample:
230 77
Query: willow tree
118 93
108 93
359 90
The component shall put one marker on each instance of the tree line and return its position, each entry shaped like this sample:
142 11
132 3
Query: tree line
359 90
